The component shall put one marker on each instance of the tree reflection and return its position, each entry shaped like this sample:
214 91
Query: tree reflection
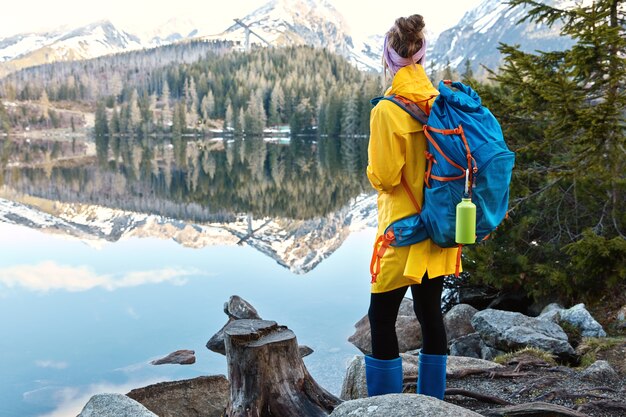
190 179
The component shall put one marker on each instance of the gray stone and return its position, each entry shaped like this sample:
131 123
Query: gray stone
621 318
469 345
114 405
458 321
579 317
180 357
507 331
400 405
205 396
355 385
304 350
600 371
408 330
236 308
473 346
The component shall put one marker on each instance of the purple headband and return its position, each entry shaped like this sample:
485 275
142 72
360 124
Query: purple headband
395 61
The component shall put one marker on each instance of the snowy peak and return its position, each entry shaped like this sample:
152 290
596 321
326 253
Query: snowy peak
295 22
481 30
90 41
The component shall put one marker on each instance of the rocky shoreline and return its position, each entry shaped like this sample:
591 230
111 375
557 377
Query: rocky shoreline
560 363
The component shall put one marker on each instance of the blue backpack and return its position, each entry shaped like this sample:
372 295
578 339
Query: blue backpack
465 149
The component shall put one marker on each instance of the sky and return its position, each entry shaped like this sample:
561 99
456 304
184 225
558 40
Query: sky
365 17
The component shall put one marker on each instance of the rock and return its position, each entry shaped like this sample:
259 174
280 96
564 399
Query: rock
600 371
621 318
509 331
408 330
236 308
355 385
114 405
400 405
469 345
205 396
457 364
473 346
458 321
579 317
180 357
304 350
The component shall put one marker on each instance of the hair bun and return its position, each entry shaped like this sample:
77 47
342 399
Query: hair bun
410 27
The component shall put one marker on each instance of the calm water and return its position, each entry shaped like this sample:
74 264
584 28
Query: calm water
83 310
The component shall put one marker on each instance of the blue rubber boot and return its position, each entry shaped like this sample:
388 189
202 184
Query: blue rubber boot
383 376
431 377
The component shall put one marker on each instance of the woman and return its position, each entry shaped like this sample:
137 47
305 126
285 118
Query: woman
397 165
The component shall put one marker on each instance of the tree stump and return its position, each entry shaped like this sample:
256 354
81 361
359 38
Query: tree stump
267 375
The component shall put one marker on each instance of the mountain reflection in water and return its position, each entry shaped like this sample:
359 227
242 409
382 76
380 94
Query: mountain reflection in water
295 200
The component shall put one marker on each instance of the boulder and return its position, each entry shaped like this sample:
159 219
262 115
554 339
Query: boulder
205 396
507 331
473 346
355 386
400 405
236 308
114 405
600 371
458 321
408 330
180 357
577 316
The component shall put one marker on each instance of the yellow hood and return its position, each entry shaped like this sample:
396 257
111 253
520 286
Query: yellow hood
411 82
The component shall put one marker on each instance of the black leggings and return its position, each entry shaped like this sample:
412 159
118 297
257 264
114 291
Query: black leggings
383 312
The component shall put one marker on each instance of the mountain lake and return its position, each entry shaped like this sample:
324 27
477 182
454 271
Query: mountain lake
113 259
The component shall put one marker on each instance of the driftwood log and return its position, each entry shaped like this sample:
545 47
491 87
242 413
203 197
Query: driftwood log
267 375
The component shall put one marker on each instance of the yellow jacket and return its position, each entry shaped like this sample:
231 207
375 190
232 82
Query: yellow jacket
396 149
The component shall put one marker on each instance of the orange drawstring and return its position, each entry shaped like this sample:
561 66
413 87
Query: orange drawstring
458 261
385 240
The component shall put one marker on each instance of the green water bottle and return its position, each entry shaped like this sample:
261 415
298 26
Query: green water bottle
466 218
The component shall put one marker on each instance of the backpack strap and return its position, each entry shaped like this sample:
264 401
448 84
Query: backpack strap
411 107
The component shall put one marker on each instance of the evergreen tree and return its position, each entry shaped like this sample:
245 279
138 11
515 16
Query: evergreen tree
208 104
254 120
229 119
134 110
468 74
563 112
165 105
350 117
447 71
44 101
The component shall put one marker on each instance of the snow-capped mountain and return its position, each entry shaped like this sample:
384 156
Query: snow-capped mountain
90 41
298 245
302 22
279 22
478 34
294 22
